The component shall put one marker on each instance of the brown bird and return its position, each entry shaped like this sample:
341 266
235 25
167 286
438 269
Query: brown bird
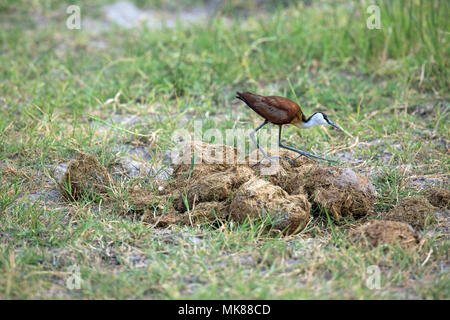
280 111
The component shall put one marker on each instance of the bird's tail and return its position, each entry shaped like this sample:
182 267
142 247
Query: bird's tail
240 96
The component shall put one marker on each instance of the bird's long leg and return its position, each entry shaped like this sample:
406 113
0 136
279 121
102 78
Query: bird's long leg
252 136
266 156
302 153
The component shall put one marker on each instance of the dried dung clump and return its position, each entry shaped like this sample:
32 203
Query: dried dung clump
258 199
415 211
439 197
341 191
207 212
151 208
218 155
85 177
381 232
289 176
220 187
217 186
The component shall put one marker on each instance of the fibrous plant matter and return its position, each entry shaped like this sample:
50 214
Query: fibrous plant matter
213 190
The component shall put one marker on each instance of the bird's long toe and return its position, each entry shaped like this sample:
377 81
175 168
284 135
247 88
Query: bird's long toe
273 158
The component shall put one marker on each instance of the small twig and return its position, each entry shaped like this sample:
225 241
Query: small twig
193 209
422 75
427 258
428 176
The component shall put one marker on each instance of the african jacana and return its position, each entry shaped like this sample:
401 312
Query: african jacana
280 111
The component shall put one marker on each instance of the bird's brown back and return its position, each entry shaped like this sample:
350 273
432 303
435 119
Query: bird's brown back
275 109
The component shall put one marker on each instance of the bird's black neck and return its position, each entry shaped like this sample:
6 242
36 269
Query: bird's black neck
306 120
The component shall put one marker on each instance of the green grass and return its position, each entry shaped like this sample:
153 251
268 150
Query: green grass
387 87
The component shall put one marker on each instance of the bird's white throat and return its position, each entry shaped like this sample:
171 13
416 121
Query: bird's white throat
316 120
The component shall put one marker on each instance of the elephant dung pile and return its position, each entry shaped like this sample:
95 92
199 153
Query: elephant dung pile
222 187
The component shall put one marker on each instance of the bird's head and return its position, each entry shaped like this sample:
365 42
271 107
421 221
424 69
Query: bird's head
317 119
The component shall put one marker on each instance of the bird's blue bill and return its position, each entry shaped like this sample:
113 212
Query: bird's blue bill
334 125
